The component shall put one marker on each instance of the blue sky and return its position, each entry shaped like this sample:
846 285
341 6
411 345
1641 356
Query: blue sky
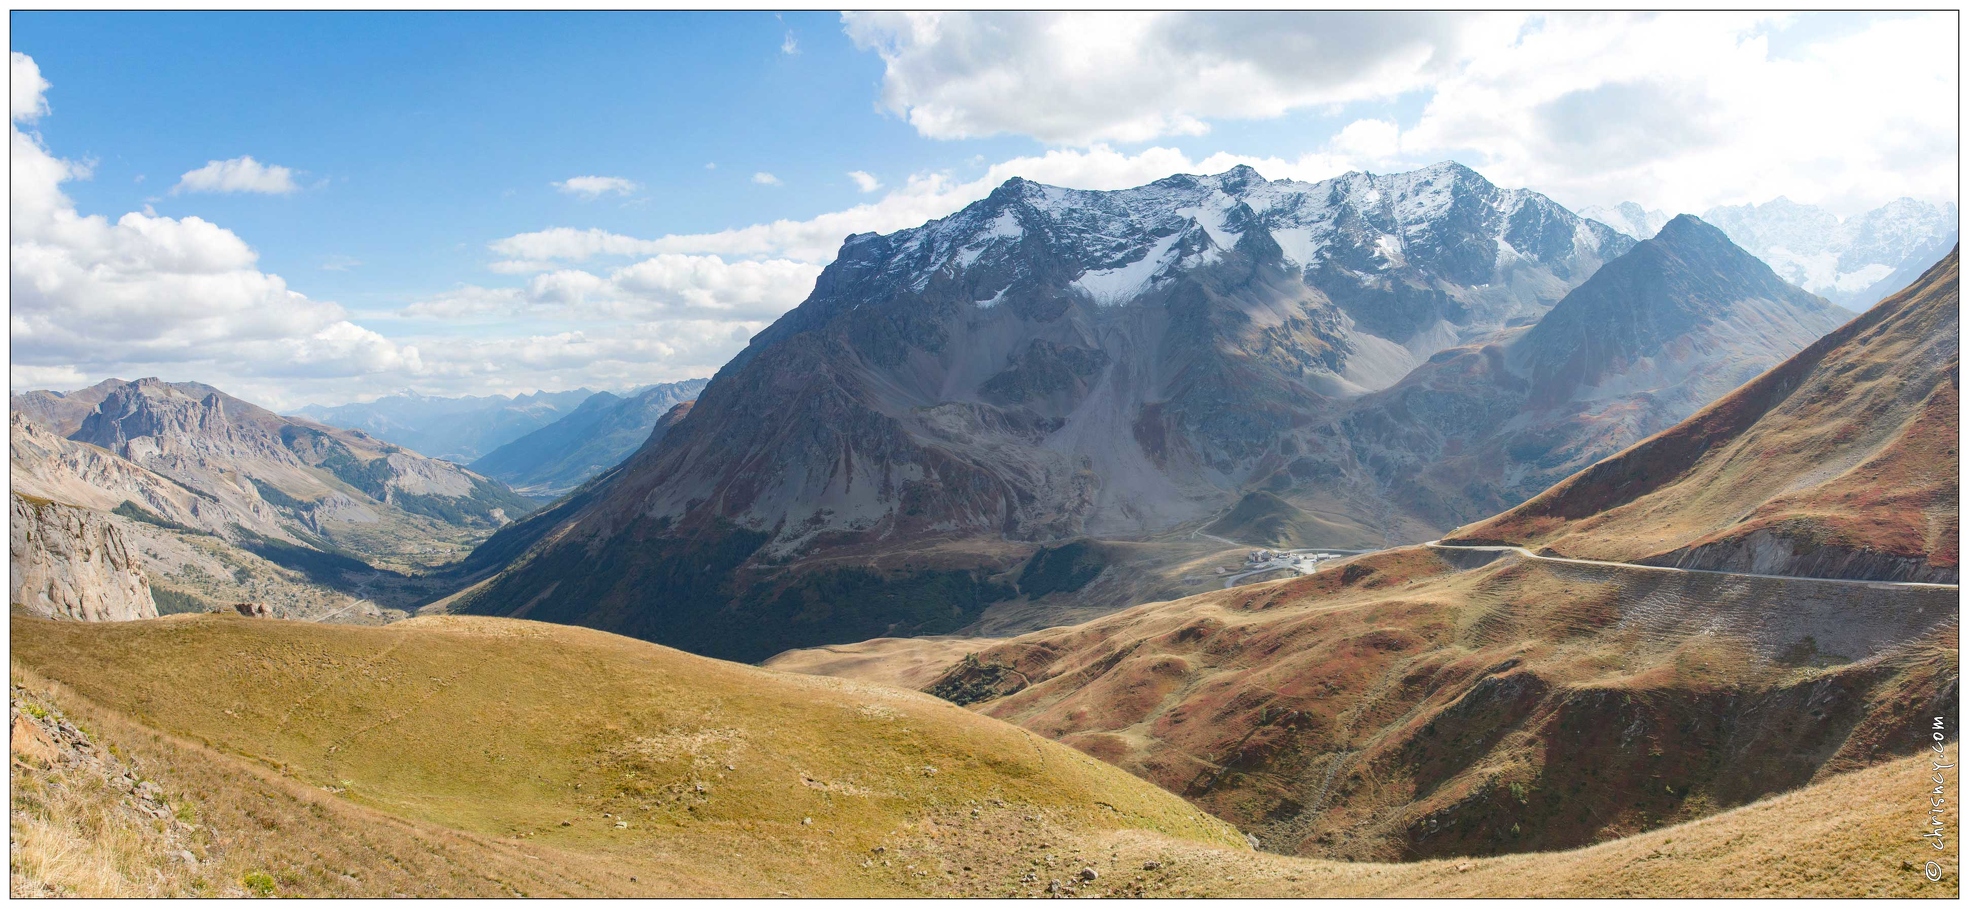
422 136
428 156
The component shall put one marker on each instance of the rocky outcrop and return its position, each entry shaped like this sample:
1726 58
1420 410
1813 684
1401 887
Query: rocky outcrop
47 466
70 563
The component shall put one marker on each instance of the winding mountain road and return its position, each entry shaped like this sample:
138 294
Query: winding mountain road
1520 550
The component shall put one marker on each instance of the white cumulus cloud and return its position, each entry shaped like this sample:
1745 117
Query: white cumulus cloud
664 286
595 187
237 175
765 179
30 91
1083 77
1680 110
864 181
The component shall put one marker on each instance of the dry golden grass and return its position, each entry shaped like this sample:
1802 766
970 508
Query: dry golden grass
1399 707
621 759
73 836
911 663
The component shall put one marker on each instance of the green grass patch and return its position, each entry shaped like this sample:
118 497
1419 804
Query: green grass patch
175 602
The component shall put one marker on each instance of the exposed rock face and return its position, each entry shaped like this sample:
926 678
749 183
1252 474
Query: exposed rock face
70 563
225 501
1773 551
47 466
1841 462
62 412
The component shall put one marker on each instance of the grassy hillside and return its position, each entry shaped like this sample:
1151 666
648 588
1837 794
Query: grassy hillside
690 775
459 757
1417 704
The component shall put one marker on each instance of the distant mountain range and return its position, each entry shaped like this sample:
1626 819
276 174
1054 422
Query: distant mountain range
1853 262
599 434
1052 363
460 429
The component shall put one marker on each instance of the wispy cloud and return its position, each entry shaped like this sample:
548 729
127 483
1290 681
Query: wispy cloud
591 187
864 180
765 179
238 175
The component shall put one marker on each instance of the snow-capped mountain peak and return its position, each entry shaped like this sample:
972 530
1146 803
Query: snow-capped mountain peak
1362 239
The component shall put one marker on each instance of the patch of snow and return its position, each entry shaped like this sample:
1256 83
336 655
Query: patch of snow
1114 286
1298 243
1389 248
1856 281
1211 216
1506 253
1629 218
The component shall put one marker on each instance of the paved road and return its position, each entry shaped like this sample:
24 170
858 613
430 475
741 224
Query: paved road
1520 550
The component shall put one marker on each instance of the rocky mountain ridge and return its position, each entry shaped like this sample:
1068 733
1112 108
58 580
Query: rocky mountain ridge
217 500
1678 321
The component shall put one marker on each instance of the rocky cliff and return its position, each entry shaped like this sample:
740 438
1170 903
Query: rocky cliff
71 563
